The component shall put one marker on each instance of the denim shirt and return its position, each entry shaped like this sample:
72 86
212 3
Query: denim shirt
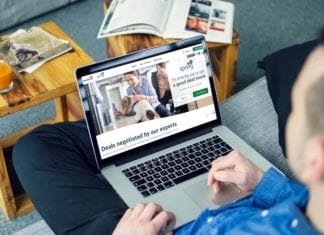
275 207
145 88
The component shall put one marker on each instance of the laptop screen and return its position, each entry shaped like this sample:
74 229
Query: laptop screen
149 97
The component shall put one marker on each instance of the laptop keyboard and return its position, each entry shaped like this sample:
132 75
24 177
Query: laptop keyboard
176 167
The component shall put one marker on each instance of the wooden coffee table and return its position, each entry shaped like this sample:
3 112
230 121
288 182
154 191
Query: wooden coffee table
53 81
223 56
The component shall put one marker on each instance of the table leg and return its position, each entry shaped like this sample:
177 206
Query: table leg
7 200
68 108
223 61
228 72
61 108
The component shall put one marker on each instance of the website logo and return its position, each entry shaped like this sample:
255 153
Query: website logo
188 66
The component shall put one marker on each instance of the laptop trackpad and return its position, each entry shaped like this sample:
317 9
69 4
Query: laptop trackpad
204 196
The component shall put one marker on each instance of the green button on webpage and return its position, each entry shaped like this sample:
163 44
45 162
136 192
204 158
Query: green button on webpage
200 92
197 48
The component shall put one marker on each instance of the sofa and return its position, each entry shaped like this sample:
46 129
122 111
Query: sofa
16 11
257 113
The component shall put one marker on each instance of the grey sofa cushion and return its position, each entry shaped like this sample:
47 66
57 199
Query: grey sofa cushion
251 115
26 118
17 11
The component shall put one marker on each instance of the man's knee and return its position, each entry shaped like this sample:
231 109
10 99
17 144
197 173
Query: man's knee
28 150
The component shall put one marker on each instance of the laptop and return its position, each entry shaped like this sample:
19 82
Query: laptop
161 159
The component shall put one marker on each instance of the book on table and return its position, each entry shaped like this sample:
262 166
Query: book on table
170 19
27 49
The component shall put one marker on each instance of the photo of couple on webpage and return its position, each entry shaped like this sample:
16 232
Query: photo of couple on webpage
136 96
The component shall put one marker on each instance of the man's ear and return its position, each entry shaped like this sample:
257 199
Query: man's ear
314 160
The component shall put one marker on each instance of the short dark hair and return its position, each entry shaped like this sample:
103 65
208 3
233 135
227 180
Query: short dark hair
134 72
161 64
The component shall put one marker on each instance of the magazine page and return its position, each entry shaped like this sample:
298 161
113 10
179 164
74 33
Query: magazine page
129 16
175 27
213 18
134 29
32 46
221 22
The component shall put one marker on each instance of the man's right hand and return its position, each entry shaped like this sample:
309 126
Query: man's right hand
143 219
118 113
236 169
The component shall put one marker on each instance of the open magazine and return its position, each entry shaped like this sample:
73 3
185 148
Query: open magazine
170 19
27 49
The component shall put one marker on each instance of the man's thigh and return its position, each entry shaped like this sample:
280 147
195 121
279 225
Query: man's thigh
56 166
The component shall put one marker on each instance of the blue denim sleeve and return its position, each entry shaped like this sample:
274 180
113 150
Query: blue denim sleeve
130 91
147 86
148 89
275 188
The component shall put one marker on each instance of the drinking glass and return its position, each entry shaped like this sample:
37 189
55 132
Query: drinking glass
6 76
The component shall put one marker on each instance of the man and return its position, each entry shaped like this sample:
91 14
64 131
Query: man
142 89
73 199
276 206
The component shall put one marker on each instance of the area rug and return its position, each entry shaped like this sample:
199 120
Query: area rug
38 228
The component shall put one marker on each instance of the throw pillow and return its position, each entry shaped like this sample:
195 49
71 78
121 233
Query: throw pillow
281 70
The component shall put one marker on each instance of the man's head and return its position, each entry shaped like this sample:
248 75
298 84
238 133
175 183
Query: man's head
162 65
132 78
305 126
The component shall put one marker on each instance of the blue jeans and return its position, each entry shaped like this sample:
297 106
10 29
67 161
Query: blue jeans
162 111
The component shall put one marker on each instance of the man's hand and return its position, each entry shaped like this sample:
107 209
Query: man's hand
236 169
140 97
143 219
118 113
